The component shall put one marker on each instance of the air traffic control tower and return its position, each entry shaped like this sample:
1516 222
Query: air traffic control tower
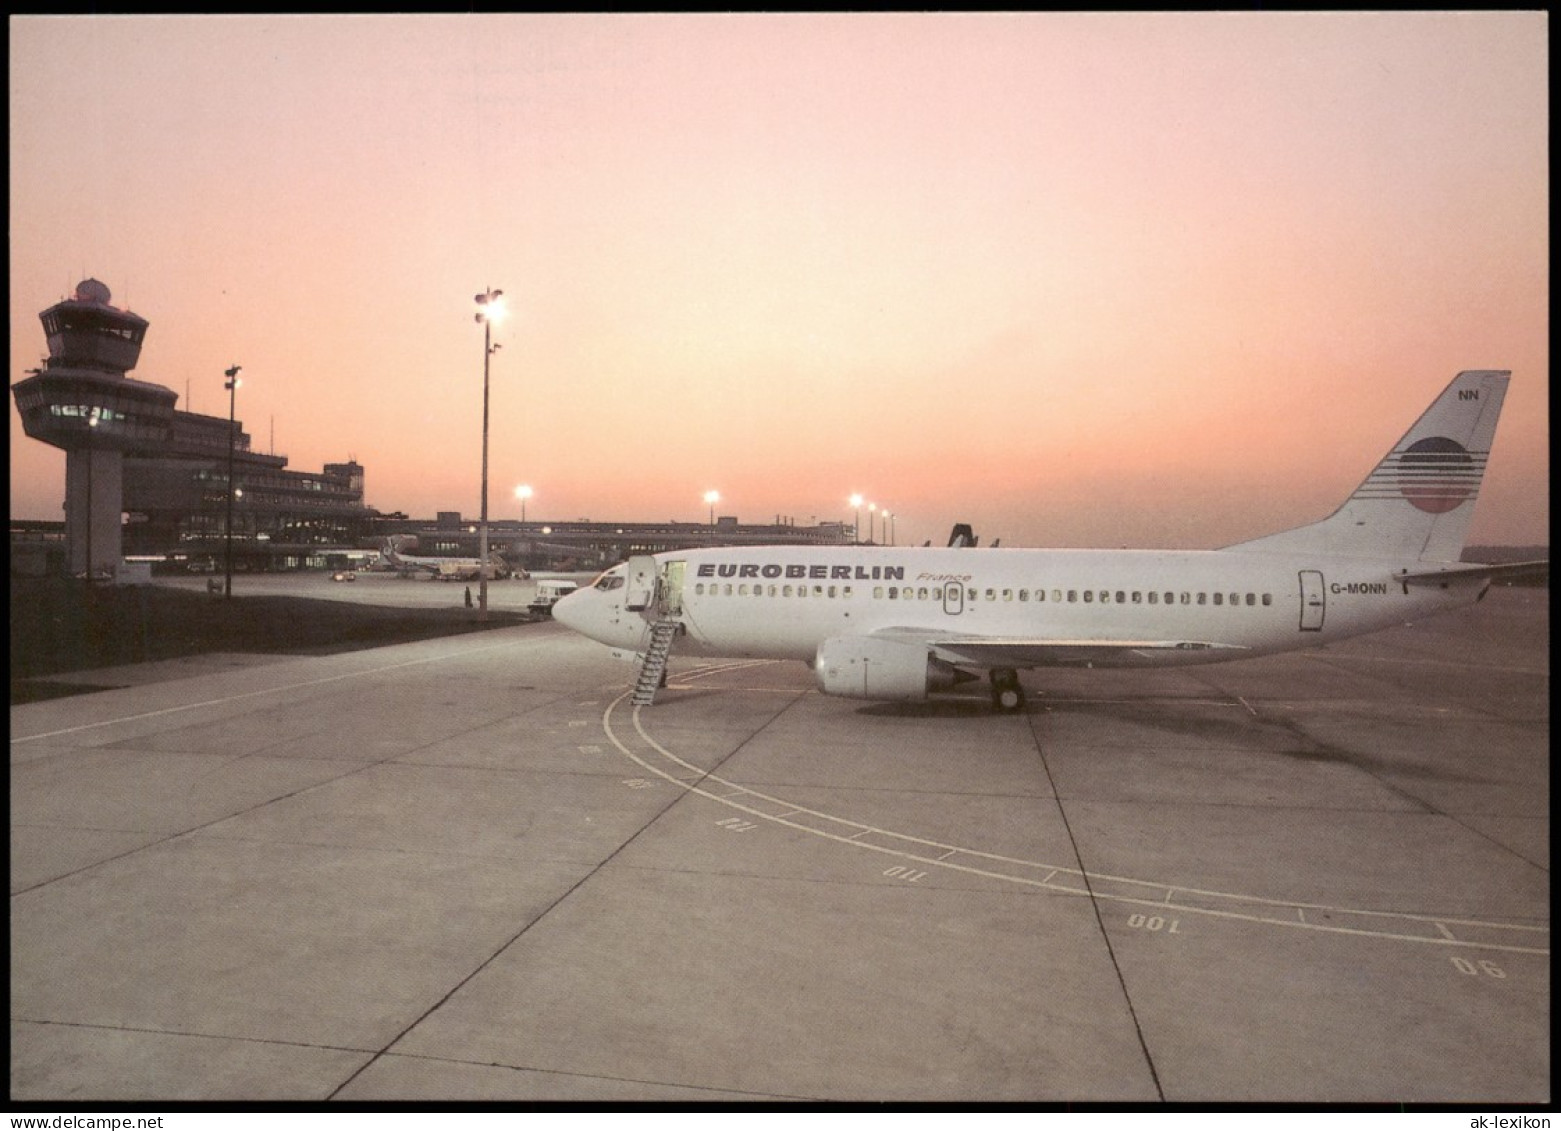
81 400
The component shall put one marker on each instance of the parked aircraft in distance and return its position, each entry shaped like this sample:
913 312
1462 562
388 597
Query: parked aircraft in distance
441 569
899 624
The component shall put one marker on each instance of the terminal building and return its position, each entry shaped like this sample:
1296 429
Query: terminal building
583 544
147 481
143 479
176 503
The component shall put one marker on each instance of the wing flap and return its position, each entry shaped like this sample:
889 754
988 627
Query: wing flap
992 652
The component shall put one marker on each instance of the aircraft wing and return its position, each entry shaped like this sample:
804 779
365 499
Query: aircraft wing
1039 652
1453 571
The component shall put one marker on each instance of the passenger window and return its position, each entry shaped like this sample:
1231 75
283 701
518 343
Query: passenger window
1073 595
1251 598
1203 598
1186 598
1154 598
1089 595
973 595
991 594
1268 598
818 590
742 591
1024 594
1121 597
1219 598
1138 598
1008 594
1057 595
831 590
699 590
729 590
921 594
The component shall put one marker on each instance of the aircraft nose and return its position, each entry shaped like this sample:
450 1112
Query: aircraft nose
568 611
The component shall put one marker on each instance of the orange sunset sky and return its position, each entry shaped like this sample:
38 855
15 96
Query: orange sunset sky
1089 279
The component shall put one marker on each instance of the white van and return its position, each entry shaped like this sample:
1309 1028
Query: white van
549 591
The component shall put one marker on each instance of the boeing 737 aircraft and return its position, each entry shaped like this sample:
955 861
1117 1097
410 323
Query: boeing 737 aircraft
883 623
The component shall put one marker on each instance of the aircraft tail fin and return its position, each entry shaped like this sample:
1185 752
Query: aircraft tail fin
1419 500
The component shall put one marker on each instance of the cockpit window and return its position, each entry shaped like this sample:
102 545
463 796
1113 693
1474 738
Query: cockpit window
609 580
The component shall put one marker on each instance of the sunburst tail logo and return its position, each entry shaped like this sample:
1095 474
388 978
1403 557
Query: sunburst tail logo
1437 474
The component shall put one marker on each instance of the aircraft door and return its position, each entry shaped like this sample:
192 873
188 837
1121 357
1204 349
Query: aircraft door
639 590
1314 601
954 598
672 589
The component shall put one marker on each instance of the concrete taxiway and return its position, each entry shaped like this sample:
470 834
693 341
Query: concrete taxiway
468 869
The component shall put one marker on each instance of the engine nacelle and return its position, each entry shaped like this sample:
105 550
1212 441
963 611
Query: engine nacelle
872 667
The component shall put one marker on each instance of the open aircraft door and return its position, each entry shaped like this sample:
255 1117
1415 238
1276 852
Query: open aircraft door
640 583
1314 601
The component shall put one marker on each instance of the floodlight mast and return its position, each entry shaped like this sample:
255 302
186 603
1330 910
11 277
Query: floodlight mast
231 385
490 305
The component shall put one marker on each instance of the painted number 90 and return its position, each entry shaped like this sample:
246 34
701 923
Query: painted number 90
1154 923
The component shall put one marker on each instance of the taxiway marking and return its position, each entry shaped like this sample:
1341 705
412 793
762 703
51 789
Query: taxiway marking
1137 892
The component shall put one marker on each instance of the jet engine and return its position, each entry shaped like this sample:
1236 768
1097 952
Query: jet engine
873 667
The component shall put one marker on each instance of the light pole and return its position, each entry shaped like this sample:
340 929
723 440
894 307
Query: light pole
872 513
856 530
523 493
490 307
231 385
889 525
712 498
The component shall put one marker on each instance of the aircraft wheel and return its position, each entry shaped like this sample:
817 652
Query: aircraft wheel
1007 694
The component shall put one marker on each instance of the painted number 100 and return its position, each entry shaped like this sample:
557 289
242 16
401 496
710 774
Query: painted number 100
1475 969
1154 923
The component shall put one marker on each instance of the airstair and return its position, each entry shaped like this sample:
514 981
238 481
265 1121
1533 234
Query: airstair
654 667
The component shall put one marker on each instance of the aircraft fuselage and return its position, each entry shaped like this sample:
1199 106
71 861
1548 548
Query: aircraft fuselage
783 602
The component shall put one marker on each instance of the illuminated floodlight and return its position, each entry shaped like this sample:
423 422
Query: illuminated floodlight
491 306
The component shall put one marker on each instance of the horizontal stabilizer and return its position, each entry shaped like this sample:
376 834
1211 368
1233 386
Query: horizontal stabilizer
1456 571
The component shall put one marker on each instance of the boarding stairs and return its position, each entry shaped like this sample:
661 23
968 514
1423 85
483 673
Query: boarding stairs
653 668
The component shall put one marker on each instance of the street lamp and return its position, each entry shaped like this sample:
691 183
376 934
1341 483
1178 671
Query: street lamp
856 533
712 498
523 493
490 308
872 513
231 385
889 518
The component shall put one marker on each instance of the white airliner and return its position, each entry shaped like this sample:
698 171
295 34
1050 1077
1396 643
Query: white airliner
898 624
442 569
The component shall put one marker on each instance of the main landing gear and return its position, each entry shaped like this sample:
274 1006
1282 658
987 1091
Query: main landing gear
1007 694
